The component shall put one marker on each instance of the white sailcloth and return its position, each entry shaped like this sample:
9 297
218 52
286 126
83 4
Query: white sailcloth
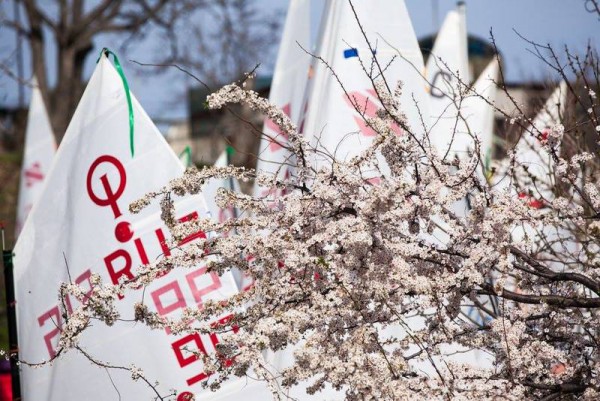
447 73
479 118
287 90
447 66
332 123
81 226
38 153
478 115
529 152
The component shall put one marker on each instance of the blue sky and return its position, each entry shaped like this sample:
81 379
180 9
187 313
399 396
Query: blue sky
557 22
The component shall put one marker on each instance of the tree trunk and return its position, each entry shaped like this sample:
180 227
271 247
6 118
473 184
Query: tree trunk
71 54
69 87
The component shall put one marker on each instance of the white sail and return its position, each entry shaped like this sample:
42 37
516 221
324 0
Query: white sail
287 90
80 226
531 155
529 150
333 123
485 116
477 113
448 72
38 154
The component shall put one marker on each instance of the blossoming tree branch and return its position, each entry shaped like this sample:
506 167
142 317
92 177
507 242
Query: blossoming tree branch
404 271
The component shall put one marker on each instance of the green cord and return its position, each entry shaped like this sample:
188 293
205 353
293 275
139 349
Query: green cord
229 151
107 52
187 152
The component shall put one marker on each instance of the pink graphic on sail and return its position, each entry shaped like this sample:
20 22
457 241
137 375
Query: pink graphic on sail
279 140
33 174
367 107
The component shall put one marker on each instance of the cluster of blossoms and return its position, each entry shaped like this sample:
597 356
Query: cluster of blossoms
395 274
97 302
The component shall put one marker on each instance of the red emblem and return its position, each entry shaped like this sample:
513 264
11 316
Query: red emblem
532 202
367 105
544 135
280 139
33 174
111 195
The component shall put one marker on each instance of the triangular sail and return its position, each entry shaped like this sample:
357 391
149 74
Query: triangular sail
486 86
477 113
447 73
287 90
333 123
38 154
80 226
529 152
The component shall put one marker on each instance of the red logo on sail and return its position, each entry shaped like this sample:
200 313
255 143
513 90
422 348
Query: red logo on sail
33 174
277 192
111 195
280 138
366 104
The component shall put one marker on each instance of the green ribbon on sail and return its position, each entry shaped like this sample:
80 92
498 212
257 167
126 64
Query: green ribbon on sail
187 154
117 64
229 152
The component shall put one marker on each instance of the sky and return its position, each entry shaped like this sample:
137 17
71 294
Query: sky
557 22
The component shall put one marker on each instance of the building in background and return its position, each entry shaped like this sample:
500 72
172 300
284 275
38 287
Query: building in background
210 131
178 136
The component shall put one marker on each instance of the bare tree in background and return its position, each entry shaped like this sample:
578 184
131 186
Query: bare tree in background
68 29
234 41
219 40
229 39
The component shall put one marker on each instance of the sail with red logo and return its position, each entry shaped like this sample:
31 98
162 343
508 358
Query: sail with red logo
81 227
533 150
287 92
38 154
342 94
